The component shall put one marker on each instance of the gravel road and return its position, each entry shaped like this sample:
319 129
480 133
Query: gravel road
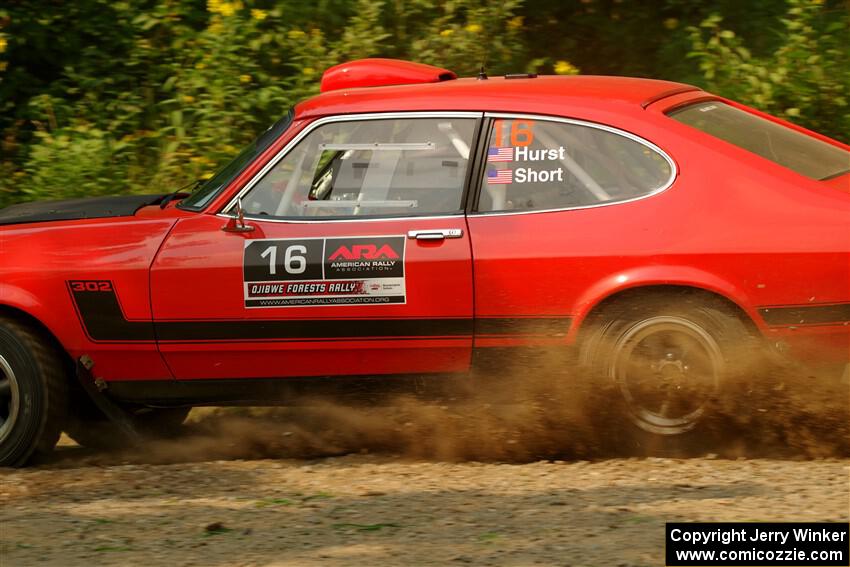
387 510
422 485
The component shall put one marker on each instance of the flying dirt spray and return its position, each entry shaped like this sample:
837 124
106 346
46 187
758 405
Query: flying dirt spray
525 412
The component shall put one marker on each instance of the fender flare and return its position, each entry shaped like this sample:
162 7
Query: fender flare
19 301
661 275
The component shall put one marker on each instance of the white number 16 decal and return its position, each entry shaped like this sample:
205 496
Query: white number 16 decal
293 260
295 264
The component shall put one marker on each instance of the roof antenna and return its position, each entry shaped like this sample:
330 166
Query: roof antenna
482 76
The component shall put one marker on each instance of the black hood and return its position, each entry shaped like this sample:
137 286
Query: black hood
73 209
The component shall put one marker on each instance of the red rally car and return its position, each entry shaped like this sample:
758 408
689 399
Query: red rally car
404 220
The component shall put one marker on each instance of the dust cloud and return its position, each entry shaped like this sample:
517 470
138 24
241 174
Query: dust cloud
524 412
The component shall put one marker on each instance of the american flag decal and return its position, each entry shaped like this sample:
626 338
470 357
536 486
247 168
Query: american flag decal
500 176
500 154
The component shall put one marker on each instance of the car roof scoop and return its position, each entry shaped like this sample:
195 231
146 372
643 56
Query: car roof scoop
378 72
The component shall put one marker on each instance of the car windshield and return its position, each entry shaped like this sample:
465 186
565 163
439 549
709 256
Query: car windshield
782 145
205 193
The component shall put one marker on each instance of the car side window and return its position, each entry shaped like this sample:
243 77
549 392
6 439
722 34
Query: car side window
362 168
536 164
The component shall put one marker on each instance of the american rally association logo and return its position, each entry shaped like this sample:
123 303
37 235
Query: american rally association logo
364 252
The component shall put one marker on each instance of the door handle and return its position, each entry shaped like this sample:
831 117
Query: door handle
435 233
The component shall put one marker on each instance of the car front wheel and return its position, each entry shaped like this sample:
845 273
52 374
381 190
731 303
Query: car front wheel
33 393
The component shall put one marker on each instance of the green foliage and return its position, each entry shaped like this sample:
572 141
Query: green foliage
462 36
62 161
806 79
103 96
159 93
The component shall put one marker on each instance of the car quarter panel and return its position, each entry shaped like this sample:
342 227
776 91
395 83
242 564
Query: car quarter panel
732 223
71 275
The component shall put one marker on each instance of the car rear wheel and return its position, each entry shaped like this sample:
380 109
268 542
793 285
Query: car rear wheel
668 363
33 393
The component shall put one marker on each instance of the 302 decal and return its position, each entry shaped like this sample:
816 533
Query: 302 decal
90 285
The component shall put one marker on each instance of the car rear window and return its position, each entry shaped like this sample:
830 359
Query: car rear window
782 145
536 164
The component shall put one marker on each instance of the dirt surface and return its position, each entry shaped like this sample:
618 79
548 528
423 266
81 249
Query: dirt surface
548 481
386 510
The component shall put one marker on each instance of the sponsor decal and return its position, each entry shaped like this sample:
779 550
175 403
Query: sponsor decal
543 154
512 141
524 175
361 270
524 153
528 175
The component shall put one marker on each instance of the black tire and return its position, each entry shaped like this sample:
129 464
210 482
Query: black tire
33 393
667 362
90 428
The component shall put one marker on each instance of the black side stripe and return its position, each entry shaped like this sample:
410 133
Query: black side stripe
806 314
311 329
546 326
104 320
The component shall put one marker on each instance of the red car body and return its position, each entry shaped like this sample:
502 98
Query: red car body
157 294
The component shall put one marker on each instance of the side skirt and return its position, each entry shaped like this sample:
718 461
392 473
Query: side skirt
369 390
489 365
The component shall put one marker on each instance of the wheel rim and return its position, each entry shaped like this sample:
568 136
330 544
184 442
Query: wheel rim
667 370
9 399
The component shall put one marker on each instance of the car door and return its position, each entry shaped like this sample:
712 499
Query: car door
354 258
